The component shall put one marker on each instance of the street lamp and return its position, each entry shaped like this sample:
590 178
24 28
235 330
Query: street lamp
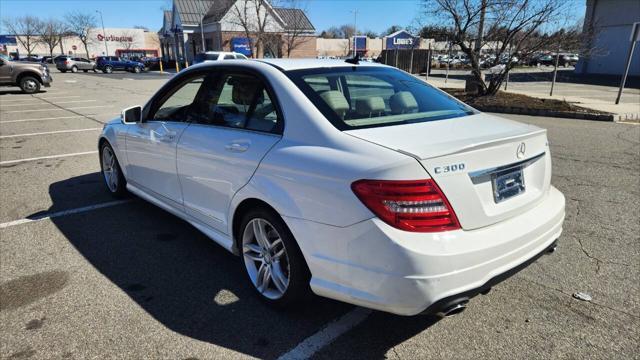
355 32
104 35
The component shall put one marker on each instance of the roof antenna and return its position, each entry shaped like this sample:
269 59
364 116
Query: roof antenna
354 60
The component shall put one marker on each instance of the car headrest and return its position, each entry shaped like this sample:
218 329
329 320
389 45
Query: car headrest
369 106
336 101
245 90
403 102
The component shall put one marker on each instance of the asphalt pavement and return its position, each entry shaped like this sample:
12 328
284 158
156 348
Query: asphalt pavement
84 276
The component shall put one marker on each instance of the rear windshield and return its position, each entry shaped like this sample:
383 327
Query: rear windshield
365 97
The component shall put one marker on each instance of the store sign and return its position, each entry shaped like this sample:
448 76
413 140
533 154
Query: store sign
241 45
402 40
360 42
115 38
8 40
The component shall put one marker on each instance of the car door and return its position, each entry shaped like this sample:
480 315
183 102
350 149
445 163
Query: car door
219 152
151 144
5 71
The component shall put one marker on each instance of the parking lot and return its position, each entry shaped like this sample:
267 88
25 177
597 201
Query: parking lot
85 276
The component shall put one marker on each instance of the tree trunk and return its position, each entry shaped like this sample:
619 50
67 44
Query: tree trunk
61 48
86 49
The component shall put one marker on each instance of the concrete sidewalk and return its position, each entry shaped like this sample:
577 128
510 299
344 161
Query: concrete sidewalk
596 97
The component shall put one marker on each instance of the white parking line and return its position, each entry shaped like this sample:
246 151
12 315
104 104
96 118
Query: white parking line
75 108
64 213
62 102
324 337
38 119
47 133
7 162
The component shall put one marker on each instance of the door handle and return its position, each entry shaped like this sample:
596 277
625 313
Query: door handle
237 147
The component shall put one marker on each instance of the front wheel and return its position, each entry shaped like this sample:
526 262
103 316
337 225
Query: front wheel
74 69
111 172
136 69
29 85
272 259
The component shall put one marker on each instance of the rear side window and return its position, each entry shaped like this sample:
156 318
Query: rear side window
227 57
213 56
365 97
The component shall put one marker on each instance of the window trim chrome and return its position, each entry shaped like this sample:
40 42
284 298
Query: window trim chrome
524 163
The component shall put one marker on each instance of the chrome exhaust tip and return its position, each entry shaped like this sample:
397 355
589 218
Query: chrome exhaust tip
453 309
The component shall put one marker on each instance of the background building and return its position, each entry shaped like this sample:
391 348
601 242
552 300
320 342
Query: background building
284 32
611 22
119 42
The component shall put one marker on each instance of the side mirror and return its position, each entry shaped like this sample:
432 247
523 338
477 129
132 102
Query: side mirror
131 115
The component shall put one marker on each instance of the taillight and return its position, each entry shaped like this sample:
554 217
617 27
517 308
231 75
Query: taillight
411 205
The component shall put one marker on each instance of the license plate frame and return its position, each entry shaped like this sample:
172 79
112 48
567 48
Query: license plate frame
508 183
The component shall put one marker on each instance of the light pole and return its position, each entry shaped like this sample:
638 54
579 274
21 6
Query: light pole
355 32
204 13
104 35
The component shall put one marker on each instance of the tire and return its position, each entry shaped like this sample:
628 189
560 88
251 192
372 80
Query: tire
74 69
63 71
85 70
284 257
136 69
108 70
111 172
29 85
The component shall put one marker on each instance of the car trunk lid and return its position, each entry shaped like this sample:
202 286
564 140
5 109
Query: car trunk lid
489 168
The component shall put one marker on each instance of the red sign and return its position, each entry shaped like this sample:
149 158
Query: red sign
115 38
74 47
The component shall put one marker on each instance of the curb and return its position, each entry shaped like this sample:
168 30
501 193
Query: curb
549 113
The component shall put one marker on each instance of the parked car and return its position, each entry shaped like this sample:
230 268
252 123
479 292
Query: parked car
34 58
565 60
216 56
357 182
28 76
46 60
74 64
108 64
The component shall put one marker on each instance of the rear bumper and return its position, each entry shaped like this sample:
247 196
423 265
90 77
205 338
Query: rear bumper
374 265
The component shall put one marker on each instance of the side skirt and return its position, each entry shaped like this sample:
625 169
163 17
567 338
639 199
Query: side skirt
222 239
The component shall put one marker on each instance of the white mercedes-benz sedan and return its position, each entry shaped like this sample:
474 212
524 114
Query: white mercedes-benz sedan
357 182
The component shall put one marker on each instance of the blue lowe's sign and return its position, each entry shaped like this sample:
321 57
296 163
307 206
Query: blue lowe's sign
401 40
241 45
8 40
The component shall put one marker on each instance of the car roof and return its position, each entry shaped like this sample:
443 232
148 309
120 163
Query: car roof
300 64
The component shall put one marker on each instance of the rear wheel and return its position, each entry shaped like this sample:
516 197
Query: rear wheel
63 71
29 85
108 69
272 259
74 69
85 70
136 69
111 172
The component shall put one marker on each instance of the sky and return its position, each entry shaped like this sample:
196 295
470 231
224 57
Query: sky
375 15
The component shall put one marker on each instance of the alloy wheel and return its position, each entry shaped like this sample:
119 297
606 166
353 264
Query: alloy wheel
265 258
109 169
30 85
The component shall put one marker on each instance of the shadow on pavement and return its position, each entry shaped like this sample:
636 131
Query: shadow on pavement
187 282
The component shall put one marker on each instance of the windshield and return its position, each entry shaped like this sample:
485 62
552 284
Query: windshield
365 97
5 57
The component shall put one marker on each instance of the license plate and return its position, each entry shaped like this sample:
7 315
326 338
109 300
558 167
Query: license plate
507 184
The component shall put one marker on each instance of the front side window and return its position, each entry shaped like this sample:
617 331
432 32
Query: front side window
364 97
180 104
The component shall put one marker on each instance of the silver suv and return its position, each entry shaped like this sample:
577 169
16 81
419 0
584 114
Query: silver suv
73 64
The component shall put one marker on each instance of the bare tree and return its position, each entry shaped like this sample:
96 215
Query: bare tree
51 33
296 30
254 18
513 24
26 30
82 25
